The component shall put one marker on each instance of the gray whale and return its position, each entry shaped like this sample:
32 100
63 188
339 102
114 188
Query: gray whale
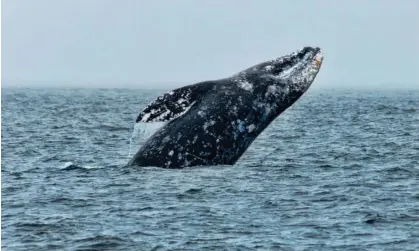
214 122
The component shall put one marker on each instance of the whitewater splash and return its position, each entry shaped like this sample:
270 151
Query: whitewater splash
142 132
68 166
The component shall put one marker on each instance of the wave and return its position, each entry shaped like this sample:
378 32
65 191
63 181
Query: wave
68 166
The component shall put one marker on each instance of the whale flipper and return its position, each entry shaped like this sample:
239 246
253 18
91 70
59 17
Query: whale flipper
173 104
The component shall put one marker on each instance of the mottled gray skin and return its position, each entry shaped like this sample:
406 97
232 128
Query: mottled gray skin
214 122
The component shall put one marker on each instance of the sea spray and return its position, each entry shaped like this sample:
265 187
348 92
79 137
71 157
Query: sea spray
141 133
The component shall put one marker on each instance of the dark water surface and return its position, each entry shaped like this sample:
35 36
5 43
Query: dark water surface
337 171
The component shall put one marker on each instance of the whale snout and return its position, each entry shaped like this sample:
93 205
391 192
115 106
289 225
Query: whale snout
300 66
318 57
304 70
309 53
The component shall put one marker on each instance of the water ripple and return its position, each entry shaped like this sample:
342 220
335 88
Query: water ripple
337 171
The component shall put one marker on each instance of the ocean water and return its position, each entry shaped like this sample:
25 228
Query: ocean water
339 170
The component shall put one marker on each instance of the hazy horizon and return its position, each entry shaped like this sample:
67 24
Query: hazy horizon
167 44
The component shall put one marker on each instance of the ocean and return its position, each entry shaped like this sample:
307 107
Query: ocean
339 170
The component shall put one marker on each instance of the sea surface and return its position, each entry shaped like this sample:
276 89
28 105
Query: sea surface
339 170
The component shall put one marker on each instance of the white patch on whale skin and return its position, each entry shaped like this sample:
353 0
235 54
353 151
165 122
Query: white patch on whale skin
207 124
180 103
268 110
171 153
269 67
166 139
146 116
272 90
288 71
245 85
179 136
251 127
201 113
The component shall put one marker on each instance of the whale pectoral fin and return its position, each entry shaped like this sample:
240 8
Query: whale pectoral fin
173 104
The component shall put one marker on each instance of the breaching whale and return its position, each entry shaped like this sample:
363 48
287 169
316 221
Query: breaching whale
214 122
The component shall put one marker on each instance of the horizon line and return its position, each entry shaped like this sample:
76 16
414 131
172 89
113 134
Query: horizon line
165 87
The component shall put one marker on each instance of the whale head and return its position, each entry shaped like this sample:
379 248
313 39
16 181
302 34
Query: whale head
297 69
285 78
280 81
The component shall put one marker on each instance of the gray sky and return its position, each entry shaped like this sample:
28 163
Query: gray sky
138 43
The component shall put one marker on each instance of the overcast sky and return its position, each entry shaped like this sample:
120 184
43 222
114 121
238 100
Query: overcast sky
138 43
